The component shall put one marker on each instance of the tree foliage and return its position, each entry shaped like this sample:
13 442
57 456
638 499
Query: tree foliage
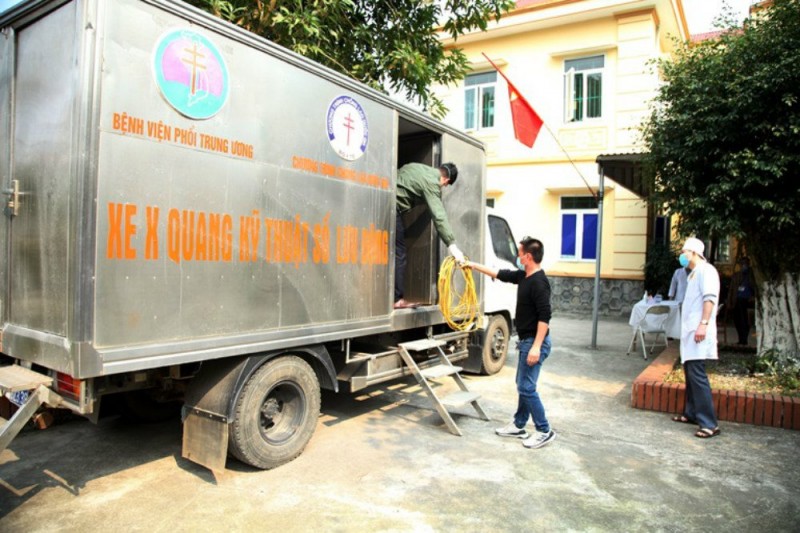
724 138
659 268
388 43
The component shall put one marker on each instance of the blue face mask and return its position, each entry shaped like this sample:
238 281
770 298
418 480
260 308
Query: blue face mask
683 260
520 265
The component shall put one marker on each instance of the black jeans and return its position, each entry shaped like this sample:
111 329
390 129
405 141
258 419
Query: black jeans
400 258
699 402
741 320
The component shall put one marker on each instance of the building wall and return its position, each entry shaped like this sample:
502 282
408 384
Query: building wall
527 184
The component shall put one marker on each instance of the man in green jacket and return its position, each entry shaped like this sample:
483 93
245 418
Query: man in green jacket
418 184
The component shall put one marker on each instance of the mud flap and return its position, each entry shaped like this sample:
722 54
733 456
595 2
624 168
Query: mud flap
205 439
474 361
205 413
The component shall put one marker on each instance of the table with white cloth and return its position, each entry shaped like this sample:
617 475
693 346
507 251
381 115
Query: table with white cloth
673 323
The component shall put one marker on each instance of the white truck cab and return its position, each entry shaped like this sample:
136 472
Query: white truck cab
499 298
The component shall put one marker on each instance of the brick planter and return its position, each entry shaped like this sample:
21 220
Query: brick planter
650 392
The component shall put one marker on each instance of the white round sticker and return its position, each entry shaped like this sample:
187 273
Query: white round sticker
347 128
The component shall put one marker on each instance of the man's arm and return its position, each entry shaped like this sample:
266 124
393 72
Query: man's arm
710 286
535 352
436 207
700 332
483 269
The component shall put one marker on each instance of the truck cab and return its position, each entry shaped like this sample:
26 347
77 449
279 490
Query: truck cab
500 252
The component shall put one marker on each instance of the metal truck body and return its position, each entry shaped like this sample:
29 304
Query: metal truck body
181 191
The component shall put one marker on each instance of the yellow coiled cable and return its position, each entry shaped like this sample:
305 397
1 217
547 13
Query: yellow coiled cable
460 310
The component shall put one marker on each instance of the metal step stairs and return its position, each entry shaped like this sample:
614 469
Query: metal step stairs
444 369
15 378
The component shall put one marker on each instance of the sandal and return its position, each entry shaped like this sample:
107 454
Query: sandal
683 420
706 433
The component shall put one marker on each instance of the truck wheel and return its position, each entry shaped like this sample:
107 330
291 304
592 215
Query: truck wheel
276 413
495 346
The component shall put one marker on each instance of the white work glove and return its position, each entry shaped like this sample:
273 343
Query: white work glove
457 254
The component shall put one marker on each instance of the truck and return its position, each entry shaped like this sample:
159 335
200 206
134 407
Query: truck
196 216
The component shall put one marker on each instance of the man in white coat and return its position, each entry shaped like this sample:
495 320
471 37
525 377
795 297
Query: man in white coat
699 338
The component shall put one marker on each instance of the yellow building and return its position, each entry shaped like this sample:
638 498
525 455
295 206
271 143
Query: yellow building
587 68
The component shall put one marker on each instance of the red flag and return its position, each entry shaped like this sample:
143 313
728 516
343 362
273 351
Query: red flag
527 122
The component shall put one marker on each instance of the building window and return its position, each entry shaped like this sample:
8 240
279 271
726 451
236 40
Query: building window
723 251
662 230
479 90
583 88
578 228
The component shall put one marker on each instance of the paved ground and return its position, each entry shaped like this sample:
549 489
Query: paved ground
382 461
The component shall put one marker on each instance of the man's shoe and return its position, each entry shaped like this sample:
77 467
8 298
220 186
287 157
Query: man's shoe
540 439
511 430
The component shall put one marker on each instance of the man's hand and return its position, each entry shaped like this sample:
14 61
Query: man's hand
700 333
457 254
533 356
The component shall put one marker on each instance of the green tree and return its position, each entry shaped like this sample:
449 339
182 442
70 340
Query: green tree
724 154
392 44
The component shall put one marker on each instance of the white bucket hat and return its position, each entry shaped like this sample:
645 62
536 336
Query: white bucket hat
695 245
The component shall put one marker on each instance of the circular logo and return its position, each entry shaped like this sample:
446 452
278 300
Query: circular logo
191 74
347 127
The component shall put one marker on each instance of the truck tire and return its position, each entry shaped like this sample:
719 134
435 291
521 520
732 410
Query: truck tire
495 345
275 414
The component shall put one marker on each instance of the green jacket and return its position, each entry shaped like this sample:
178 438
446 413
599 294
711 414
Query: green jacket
417 184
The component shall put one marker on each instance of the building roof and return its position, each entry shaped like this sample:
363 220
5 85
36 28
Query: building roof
698 37
625 169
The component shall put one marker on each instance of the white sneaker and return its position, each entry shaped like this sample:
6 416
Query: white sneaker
511 430
540 439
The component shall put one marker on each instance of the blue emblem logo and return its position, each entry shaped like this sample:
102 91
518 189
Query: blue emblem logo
191 74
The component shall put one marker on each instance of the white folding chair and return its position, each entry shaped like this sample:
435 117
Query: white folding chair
653 321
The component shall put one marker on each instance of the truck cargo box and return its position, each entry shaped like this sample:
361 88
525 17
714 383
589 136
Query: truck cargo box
181 190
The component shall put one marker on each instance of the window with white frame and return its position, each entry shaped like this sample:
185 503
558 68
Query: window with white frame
583 88
578 228
479 99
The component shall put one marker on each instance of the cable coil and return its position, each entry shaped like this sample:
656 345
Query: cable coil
460 310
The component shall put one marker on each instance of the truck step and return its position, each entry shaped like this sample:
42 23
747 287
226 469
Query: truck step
422 344
446 368
15 378
457 399
440 371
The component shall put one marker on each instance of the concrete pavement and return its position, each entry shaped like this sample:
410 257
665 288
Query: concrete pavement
383 461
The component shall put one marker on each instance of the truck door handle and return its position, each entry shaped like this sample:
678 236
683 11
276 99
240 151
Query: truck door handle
13 201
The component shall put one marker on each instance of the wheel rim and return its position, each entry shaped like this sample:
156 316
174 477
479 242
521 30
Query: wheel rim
282 412
498 344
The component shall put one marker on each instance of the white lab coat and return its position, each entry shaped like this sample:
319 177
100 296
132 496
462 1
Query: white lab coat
702 286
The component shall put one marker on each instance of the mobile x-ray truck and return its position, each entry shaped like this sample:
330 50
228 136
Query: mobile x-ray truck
194 214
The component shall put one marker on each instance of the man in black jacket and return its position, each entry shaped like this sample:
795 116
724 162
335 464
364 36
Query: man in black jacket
533 329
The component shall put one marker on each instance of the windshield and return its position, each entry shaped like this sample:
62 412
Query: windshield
503 243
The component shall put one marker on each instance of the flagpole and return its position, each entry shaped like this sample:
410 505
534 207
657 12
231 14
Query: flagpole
545 125
594 195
